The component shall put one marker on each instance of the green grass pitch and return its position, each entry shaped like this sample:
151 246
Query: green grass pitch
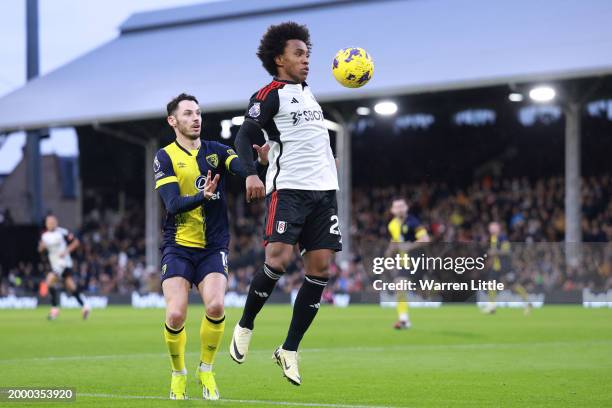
452 357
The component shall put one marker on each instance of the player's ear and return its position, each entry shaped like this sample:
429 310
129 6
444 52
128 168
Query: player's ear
279 60
171 120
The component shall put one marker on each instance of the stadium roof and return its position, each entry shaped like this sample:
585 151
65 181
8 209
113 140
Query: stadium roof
417 46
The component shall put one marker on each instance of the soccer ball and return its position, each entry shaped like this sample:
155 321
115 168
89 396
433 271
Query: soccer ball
353 67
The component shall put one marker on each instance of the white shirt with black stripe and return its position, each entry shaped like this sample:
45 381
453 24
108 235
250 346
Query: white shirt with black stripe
300 153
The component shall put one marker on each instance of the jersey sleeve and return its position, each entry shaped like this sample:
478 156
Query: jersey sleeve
163 170
263 106
68 235
226 155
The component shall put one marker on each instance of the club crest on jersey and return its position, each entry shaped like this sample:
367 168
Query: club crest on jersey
213 160
281 227
255 110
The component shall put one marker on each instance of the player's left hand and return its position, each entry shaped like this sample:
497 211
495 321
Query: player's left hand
210 185
262 153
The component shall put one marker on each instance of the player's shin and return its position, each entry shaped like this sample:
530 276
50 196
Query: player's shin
305 309
402 306
211 333
176 340
78 297
54 296
261 288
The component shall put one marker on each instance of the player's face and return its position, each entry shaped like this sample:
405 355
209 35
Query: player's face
294 61
50 223
187 119
494 228
399 208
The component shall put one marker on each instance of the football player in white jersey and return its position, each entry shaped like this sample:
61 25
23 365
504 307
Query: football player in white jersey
300 190
59 244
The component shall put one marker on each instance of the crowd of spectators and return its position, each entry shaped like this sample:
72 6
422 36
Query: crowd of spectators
111 258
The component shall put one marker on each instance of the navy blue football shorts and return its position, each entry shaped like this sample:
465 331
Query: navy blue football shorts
193 264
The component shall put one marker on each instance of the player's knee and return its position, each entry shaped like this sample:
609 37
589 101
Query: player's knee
176 319
215 309
319 269
276 264
279 259
317 263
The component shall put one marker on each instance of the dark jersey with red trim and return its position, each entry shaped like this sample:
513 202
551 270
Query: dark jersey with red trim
293 124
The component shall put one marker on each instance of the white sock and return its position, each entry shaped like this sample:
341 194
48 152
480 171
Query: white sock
205 367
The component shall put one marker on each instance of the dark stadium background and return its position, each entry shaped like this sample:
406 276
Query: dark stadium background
456 176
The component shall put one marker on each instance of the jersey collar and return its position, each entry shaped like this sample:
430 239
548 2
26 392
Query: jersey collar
186 150
284 81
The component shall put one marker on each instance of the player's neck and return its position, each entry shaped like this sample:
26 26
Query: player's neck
286 78
187 143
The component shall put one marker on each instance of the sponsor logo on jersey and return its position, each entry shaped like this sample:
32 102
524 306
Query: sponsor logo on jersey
181 165
293 100
307 115
231 152
159 175
164 269
281 227
156 165
200 182
213 160
255 110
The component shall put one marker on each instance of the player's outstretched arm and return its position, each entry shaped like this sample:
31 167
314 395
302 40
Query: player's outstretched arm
261 164
74 243
176 204
244 141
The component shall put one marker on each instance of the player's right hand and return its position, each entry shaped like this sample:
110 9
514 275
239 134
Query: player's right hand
255 189
210 185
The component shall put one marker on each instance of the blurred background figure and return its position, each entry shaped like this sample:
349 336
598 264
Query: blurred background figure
59 243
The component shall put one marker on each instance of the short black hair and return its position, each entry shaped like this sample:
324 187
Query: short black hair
275 39
173 104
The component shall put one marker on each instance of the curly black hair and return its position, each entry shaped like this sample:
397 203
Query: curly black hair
275 39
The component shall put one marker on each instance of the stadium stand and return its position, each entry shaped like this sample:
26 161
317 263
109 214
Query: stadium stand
112 255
